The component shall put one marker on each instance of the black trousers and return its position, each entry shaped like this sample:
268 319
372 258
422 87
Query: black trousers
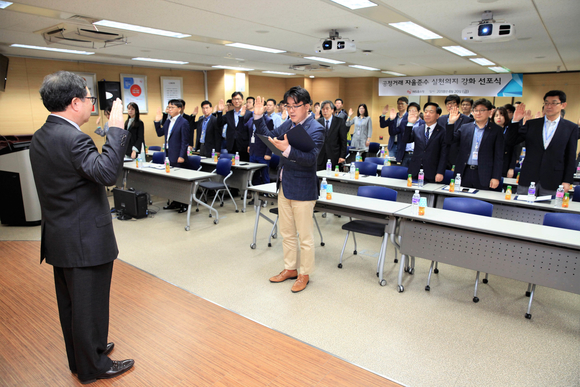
470 179
82 294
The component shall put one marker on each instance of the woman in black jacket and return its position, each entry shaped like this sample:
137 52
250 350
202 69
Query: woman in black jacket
135 126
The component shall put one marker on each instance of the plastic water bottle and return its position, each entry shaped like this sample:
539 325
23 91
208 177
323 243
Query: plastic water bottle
356 174
522 156
382 155
237 158
409 180
358 157
167 164
415 202
458 182
387 163
578 169
452 185
336 171
143 154
532 192
328 167
508 193
352 170
137 161
566 200
163 148
559 196
421 178
422 205
323 187
213 154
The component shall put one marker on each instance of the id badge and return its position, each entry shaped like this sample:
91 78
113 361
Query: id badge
358 132
474 156
253 140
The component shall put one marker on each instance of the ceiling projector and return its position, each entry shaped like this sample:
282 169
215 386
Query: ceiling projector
489 30
334 44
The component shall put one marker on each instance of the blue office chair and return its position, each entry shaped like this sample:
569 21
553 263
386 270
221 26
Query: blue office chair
468 206
448 176
364 168
517 170
376 160
158 158
369 228
155 148
395 172
223 168
226 155
576 197
374 148
193 162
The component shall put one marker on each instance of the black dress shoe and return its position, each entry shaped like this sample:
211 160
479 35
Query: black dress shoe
172 206
109 348
118 368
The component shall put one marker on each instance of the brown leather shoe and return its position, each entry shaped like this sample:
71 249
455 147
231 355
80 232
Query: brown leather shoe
300 283
284 275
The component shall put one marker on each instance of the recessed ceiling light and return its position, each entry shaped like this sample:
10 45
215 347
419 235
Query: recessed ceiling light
482 61
364 67
458 50
416 30
394 73
5 4
499 69
161 60
355 4
312 76
326 60
232 68
145 30
277 72
53 49
255 48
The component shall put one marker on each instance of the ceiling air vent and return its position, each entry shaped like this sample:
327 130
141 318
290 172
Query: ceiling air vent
71 35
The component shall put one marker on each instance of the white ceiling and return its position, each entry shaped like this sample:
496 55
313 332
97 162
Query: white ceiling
547 33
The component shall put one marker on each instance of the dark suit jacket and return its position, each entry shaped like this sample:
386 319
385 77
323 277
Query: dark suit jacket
553 166
395 130
334 142
213 135
510 152
490 155
70 176
177 144
453 148
235 133
432 156
299 178
258 148
137 139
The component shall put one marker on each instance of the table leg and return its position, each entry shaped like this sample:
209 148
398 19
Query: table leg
400 286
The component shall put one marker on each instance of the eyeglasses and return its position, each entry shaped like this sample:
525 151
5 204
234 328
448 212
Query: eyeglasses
552 103
172 107
290 107
480 111
92 99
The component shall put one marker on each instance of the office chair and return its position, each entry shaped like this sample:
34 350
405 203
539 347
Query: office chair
448 176
274 231
155 148
158 158
226 155
576 197
395 172
376 160
193 162
364 168
468 206
367 227
223 168
374 148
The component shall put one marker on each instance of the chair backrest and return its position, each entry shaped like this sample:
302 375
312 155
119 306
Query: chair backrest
158 157
155 148
224 166
448 176
395 172
226 155
371 191
517 170
376 160
365 168
468 206
562 220
274 161
374 147
193 162
576 197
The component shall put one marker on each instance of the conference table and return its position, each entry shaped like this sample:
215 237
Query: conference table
179 184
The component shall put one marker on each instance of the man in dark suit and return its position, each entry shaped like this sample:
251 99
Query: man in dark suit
396 122
237 136
430 152
209 135
335 137
452 102
480 146
551 143
339 111
77 230
298 185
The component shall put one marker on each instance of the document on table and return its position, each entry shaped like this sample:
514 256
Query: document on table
463 189
524 198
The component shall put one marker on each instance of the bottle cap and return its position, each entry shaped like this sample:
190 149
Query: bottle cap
509 187
423 202
410 175
416 191
451 181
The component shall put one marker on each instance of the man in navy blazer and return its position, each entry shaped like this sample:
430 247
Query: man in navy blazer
551 143
451 102
298 185
396 127
335 138
176 132
480 144
237 137
208 134
430 153
77 236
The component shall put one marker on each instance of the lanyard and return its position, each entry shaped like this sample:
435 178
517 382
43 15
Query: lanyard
548 136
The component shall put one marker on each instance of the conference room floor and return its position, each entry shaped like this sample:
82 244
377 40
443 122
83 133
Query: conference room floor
416 338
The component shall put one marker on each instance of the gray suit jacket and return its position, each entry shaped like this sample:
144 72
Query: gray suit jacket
70 176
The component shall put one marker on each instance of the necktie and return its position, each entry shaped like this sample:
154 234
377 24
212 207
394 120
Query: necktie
327 125
426 134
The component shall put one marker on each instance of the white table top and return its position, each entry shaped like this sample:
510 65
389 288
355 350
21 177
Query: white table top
379 181
243 164
377 206
175 172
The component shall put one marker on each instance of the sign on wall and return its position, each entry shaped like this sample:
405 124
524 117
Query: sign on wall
171 88
134 89
91 79
492 85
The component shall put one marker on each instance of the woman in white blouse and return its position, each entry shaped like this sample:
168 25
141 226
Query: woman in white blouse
363 127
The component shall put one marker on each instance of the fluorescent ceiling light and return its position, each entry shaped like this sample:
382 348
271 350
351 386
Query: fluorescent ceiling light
232 68
256 48
355 4
415 30
499 69
458 50
323 59
364 67
146 30
482 61
5 4
394 73
277 72
53 49
161 61
312 76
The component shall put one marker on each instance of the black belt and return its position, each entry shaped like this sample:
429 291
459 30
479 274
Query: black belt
409 152
472 166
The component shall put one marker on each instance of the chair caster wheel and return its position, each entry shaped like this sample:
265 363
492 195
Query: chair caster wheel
210 215
221 204
405 269
377 273
528 294
340 265
528 316
396 260
269 245
324 215
436 271
253 246
186 228
275 236
411 271
485 281
427 288
383 282
475 299
237 210
216 221
400 288
321 243
197 210
354 252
